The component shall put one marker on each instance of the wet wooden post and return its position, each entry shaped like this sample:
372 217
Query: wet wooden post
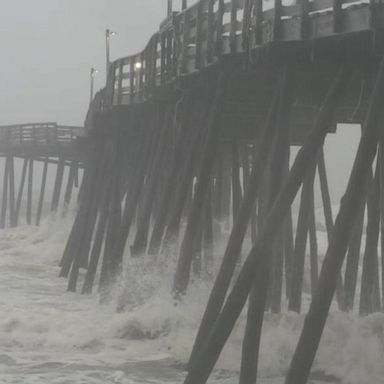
301 242
247 161
190 113
89 215
327 208
21 189
197 261
288 253
112 261
12 207
337 15
236 186
218 191
58 184
144 214
98 242
93 163
187 174
313 244
256 307
279 167
353 257
370 300
381 159
29 192
70 182
76 176
208 242
225 204
277 22
42 192
235 241
182 274
140 169
350 205
4 203
258 258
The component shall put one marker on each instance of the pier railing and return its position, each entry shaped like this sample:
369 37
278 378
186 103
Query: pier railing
38 134
199 36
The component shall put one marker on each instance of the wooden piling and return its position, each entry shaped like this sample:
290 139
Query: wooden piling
58 184
29 192
273 281
12 207
187 174
236 186
301 242
235 241
42 192
140 242
21 189
168 194
182 274
70 182
257 259
4 203
312 233
350 205
370 300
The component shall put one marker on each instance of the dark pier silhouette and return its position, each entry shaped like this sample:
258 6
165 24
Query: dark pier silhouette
196 130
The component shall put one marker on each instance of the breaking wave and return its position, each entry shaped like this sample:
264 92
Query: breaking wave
48 335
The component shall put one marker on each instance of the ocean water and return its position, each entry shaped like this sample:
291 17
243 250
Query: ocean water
48 335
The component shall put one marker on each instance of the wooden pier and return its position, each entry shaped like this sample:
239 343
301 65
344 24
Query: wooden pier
46 143
197 130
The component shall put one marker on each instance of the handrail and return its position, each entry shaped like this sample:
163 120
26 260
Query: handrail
37 134
200 35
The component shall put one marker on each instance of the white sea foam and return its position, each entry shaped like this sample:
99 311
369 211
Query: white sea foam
48 335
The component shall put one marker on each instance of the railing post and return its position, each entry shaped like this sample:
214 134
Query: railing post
141 76
373 9
156 54
120 84
277 20
199 28
185 22
232 33
163 54
210 31
304 32
111 83
337 13
131 79
169 58
258 15
219 29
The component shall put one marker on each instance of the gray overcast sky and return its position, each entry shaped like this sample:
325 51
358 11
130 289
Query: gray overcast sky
49 46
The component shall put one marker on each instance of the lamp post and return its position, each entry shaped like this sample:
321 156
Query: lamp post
169 9
92 81
108 34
